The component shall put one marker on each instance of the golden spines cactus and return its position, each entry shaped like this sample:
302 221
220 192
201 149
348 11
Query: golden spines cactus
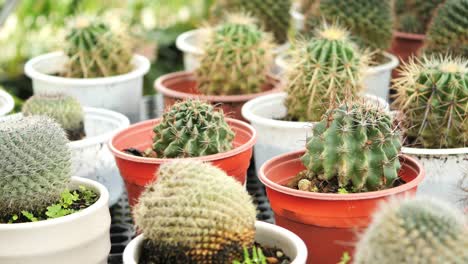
432 93
196 212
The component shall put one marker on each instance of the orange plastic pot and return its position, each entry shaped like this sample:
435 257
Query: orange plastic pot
328 223
139 171
179 86
405 45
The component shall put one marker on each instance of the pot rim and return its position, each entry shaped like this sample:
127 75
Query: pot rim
142 66
232 123
434 152
100 203
9 103
333 196
406 35
166 91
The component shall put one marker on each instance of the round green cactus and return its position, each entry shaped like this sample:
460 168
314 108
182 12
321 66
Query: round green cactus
433 95
95 50
326 69
356 145
236 60
413 16
191 129
197 213
35 166
415 231
65 110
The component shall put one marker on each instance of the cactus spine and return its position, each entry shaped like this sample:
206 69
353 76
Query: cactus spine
433 95
413 16
196 213
415 231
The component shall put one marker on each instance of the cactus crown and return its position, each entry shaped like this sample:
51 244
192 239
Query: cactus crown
191 129
236 60
326 69
413 16
433 95
35 166
195 210
415 231
356 145
65 110
448 32
95 50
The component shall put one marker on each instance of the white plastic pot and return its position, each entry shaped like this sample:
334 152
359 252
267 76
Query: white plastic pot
275 137
298 19
6 103
445 169
121 93
82 237
266 234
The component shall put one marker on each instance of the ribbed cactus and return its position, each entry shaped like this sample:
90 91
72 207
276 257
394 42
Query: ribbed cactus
195 213
415 231
413 16
272 15
448 31
65 110
432 93
236 60
191 129
35 164
94 50
356 145
324 70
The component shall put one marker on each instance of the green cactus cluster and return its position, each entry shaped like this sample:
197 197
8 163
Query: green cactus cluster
236 59
191 129
35 166
195 213
448 31
326 69
415 231
432 93
65 110
95 50
356 145
413 16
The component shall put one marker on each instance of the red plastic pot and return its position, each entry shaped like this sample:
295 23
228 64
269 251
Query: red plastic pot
179 86
139 171
405 45
328 223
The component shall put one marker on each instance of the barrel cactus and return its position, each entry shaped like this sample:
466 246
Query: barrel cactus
415 231
326 69
94 50
433 95
236 60
195 213
35 166
355 145
191 129
448 32
65 110
413 16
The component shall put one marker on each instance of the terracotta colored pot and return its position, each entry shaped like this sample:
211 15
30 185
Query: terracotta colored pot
139 171
179 86
328 223
406 44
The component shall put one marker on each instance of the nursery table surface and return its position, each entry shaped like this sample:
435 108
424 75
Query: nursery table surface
122 230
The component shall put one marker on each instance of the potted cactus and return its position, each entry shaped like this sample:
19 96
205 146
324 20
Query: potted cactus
233 70
409 231
97 67
89 129
328 191
326 69
189 129
432 95
6 102
193 202
47 216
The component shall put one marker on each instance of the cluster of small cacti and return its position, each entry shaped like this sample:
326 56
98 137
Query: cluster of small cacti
236 60
324 70
195 213
95 50
415 231
191 129
432 93
65 110
35 166
413 16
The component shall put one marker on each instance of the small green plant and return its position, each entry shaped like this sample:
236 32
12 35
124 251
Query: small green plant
256 258
413 16
345 258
